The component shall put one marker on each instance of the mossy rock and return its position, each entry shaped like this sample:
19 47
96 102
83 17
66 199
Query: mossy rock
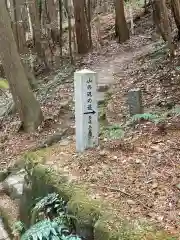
3 174
86 212
92 219
7 221
43 181
9 213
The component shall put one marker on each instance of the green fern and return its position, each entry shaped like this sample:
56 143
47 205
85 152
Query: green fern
45 229
144 116
70 237
52 204
113 132
18 228
155 118
176 111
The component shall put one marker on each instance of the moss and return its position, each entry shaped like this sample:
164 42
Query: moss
86 212
91 220
102 231
7 220
85 209
3 174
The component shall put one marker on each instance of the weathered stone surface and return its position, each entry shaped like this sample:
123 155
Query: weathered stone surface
135 101
13 184
3 233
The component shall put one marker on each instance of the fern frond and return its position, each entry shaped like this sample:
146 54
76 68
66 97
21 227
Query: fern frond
176 111
42 230
113 132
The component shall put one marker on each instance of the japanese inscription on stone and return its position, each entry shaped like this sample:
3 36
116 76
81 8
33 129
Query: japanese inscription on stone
86 110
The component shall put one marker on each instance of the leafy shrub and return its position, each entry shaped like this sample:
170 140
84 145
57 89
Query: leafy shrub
51 205
113 132
57 225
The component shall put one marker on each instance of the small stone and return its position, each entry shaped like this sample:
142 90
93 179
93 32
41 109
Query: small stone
2 190
102 88
178 186
131 202
13 184
115 157
154 185
3 175
102 153
3 233
64 142
138 161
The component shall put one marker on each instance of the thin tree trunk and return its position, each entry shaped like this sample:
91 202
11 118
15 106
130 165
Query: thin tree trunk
161 19
122 31
175 6
81 26
52 15
26 104
88 19
167 27
60 27
69 32
37 31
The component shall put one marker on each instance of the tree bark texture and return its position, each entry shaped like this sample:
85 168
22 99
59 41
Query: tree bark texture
27 106
121 28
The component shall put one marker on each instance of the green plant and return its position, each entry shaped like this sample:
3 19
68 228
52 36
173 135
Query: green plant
51 205
4 84
18 228
175 111
155 118
113 132
45 229
56 225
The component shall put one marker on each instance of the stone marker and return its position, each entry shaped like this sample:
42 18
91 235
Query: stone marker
86 111
135 101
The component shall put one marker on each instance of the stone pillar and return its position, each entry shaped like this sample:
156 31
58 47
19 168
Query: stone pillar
86 111
135 102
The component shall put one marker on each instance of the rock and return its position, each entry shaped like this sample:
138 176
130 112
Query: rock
138 161
178 186
13 184
64 142
154 185
3 233
3 174
2 190
102 153
131 202
103 88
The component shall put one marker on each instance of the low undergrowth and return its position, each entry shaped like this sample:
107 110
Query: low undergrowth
50 220
116 131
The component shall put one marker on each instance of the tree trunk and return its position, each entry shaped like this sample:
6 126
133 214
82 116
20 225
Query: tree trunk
52 15
60 27
122 31
69 31
175 6
26 104
167 27
33 10
88 19
163 24
81 26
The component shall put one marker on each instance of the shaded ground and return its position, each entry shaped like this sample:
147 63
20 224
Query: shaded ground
138 175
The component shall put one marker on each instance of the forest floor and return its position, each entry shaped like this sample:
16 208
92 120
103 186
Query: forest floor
139 175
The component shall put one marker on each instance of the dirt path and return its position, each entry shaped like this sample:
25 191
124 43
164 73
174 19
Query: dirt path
118 63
